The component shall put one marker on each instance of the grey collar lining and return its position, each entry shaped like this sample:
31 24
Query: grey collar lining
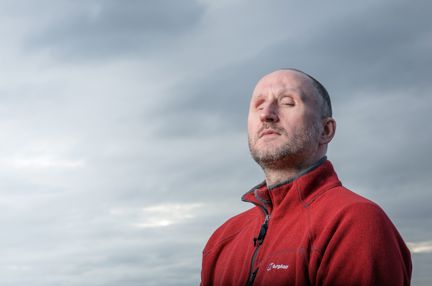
307 170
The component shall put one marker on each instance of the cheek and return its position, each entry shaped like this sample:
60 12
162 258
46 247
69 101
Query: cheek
252 131
251 123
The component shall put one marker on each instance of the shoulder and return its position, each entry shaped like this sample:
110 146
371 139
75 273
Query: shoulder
340 198
353 233
232 228
343 209
344 220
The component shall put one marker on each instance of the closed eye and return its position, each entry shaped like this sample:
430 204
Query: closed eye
259 104
286 100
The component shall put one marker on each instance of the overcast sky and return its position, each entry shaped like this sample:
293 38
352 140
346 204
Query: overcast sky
123 126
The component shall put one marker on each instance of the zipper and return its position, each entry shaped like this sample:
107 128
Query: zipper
257 241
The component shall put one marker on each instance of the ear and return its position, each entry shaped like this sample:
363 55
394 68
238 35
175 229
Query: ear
329 129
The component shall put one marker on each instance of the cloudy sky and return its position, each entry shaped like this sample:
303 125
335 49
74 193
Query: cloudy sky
123 125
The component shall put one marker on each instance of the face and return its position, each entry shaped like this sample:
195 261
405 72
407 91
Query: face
284 120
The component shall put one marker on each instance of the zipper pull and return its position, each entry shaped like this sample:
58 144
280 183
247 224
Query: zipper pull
263 230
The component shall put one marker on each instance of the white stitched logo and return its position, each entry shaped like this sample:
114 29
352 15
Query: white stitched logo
274 266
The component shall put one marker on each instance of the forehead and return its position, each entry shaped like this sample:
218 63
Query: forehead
284 81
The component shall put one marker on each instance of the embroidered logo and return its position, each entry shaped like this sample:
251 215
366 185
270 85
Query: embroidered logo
274 266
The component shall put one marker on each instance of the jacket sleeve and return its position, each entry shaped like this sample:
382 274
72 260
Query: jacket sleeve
361 246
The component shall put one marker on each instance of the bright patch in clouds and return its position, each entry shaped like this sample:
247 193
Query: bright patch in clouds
160 215
167 214
420 247
46 162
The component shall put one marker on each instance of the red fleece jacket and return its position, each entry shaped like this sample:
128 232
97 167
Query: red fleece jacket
317 233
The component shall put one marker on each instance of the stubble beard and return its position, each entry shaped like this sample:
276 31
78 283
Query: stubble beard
291 154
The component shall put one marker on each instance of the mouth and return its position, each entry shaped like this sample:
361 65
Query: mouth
268 132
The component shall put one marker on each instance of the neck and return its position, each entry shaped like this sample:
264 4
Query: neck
277 175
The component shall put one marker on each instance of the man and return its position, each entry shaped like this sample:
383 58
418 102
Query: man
305 227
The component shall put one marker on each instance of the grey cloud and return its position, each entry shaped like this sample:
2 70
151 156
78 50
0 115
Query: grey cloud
386 47
372 50
422 264
99 29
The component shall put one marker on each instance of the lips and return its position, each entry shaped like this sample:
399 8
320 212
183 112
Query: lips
268 132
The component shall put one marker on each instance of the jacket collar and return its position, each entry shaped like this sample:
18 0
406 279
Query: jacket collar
304 188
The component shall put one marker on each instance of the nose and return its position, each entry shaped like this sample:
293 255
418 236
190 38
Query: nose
269 114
